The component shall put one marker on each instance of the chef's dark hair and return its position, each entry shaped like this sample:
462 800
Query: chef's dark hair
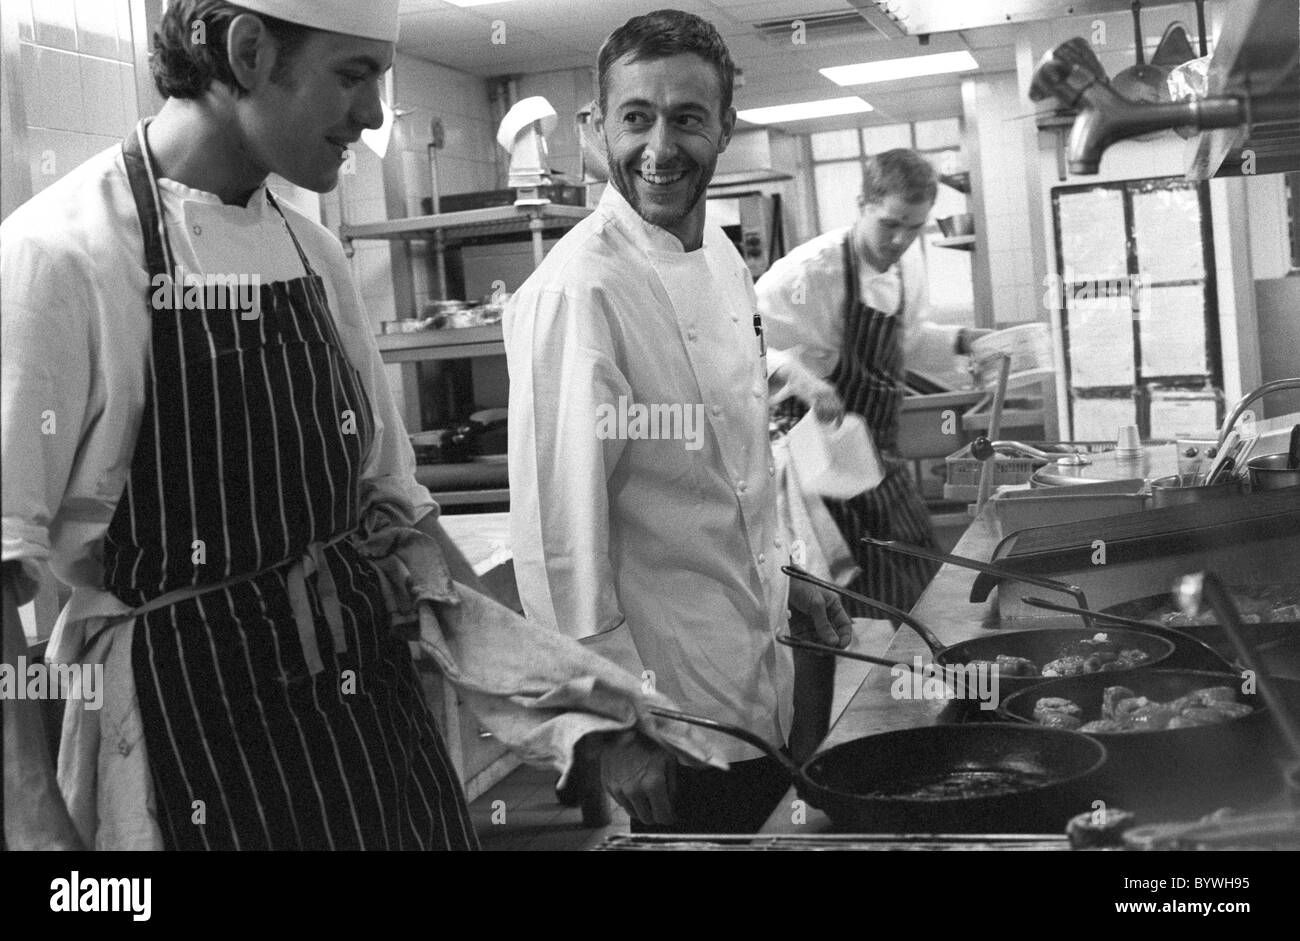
661 34
183 68
899 172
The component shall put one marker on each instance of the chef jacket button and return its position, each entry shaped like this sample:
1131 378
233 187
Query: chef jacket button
198 230
124 748
762 559
741 486
771 472
759 392
777 542
717 410
691 335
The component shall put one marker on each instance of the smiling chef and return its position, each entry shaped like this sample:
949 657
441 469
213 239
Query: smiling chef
662 555
228 486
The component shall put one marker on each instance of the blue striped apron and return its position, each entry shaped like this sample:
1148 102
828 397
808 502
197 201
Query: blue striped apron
278 713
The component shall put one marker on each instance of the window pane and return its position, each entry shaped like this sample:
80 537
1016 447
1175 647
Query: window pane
884 137
1167 229
945 132
838 186
833 145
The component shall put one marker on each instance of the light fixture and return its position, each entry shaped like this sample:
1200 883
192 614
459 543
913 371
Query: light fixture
825 108
890 70
474 3
523 132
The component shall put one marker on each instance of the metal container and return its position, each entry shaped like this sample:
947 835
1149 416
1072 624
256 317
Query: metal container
961 224
1178 489
1270 472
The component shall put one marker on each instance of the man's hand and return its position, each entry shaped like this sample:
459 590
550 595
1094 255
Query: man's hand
640 776
825 402
816 614
819 395
968 335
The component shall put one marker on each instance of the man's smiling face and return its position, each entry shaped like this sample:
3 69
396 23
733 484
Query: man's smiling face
664 128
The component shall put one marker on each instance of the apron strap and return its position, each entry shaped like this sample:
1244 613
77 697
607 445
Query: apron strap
146 207
311 272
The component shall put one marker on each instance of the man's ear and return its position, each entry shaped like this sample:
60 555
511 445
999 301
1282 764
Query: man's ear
250 51
728 128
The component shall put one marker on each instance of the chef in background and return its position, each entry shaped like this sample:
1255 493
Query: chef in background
844 313
663 552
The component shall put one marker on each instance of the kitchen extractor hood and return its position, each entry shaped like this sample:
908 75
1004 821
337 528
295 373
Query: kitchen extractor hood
747 159
922 17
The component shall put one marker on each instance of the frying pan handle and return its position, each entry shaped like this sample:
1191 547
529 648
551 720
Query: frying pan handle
1159 630
801 644
734 731
927 635
988 568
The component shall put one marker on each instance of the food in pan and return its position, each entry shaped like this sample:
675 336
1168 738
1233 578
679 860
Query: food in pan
1097 828
1264 604
1124 711
1094 655
957 785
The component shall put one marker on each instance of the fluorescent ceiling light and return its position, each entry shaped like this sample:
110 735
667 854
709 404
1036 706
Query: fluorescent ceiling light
474 3
827 107
889 70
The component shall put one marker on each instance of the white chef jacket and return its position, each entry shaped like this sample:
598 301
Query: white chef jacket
668 558
802 298
76 341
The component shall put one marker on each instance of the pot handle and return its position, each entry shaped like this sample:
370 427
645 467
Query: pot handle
927 635
735 731
988 568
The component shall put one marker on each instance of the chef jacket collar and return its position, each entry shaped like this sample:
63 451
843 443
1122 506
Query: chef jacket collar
658 239
188 195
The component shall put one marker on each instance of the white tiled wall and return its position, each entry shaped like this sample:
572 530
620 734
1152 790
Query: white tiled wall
1017 290
78 81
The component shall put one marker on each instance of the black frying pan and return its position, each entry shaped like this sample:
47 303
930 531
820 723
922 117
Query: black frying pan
868 785
1188 652
1170 771
1038 646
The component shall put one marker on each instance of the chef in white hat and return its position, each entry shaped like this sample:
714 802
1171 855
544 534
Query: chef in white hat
208 464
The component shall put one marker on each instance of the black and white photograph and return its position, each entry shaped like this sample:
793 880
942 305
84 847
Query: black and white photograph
579 426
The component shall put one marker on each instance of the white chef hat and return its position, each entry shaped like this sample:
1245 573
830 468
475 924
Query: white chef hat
369 19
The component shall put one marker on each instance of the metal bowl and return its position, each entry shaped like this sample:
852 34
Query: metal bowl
1177 489
1270 472
961 224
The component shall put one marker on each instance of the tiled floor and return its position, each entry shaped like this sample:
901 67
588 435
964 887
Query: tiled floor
522 813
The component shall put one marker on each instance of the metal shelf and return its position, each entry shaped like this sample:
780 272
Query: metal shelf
965 243
461 343
456 227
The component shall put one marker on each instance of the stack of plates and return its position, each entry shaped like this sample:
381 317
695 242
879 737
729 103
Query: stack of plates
1030 348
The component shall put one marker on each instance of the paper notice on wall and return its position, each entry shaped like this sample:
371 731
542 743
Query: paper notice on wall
1101 342
1167 232
1101 419
1172 329
1183 413
1093 246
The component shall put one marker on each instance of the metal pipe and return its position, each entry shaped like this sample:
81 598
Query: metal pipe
1275 386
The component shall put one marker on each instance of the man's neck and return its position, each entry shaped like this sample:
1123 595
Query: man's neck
193 143
861 249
